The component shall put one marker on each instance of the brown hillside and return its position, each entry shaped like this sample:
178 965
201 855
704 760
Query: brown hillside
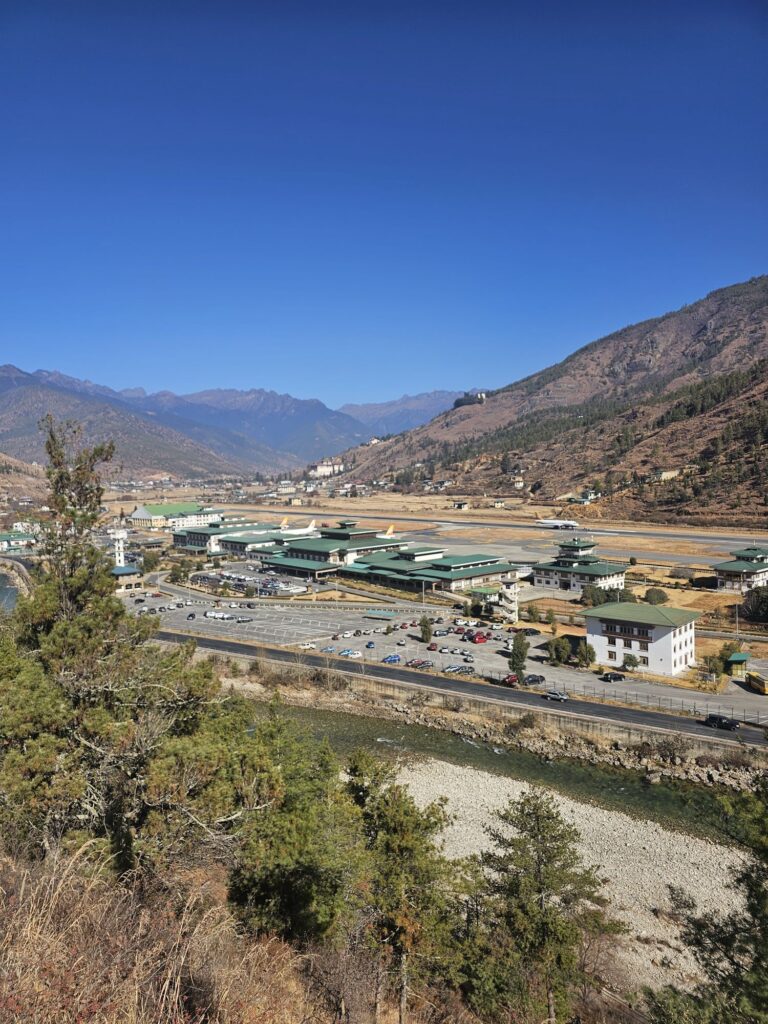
725 331
686 392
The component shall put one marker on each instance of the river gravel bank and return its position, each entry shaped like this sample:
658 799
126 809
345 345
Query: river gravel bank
638 859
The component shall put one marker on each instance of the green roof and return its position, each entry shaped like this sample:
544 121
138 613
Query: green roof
429 572
373 542
178 508
751 552
585 569
642 614
577 543
457 561
739 565
738 658
125 570
309 564
314 544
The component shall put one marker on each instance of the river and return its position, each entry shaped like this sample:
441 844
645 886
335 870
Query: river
674 805
8 593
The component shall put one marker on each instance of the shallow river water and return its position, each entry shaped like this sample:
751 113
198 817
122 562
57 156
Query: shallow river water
680 806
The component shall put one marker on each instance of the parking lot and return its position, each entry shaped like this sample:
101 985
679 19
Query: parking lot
289 625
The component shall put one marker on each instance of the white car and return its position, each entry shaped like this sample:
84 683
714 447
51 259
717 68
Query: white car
234 604
307 647
348 633
355 654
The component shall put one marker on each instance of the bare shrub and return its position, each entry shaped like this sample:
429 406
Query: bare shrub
76 945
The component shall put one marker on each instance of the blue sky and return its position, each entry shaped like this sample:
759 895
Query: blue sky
353 200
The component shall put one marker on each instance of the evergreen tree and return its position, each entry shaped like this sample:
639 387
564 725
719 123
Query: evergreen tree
731 947
408 877
425 627
519 653
538 900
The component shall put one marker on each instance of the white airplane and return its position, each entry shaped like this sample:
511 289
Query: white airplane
559 524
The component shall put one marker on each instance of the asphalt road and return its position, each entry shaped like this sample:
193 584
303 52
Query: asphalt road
463 688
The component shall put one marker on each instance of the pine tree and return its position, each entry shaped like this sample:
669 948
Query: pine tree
538 900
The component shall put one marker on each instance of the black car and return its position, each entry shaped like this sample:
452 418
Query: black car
191 616
530 631
722 722
612 677
533 680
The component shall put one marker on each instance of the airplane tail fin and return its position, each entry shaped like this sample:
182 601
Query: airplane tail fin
390 530
311 525
284 523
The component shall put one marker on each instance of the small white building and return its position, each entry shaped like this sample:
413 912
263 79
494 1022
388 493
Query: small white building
577 566
747 569
662 639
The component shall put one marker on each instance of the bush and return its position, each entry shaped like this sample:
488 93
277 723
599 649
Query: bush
655 595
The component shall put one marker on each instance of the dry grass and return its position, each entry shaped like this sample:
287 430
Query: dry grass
77 946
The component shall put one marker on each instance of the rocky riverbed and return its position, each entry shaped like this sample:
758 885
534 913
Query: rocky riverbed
639 861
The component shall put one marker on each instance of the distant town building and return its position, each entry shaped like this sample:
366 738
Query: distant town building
326 468
662 639
747 569
576 566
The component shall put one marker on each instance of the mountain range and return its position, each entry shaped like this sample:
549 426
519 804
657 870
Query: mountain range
222 432
686 391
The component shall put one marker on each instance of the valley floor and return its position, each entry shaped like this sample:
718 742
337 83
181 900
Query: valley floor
638 859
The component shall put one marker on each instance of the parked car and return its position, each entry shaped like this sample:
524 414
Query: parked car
613 677
401 643
533 680
305 646
722 722
191 616
558 695
530 631
445 650
432 647
370 645
510 680
246 618
138 600
327 650
355 654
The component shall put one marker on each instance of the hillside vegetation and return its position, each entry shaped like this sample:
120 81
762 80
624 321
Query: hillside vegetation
686 391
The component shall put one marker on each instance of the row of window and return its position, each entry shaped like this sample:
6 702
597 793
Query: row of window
642 644
612 657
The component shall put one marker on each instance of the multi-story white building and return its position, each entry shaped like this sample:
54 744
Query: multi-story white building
577 566
747 569
174 516
662 639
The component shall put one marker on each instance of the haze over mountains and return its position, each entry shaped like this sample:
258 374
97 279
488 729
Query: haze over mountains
210 433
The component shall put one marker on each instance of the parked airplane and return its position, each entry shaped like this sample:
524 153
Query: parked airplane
559 524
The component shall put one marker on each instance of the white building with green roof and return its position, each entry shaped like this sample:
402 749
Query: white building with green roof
747 569
577 566
662 639
172 515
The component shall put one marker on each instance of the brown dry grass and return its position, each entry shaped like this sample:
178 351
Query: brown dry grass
76 946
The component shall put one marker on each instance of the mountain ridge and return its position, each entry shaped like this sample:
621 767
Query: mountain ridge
589 413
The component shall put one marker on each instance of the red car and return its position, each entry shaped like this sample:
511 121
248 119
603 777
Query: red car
510 680
432 647
479 639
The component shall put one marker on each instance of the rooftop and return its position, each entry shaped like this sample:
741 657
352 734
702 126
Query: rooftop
642 614
740 565
178 508
751 552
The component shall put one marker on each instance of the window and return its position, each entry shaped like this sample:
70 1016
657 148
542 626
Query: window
627 643
611 641
644 647
611 655
643 661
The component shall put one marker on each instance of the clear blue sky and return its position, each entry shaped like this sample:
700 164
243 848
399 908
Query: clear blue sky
353 200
